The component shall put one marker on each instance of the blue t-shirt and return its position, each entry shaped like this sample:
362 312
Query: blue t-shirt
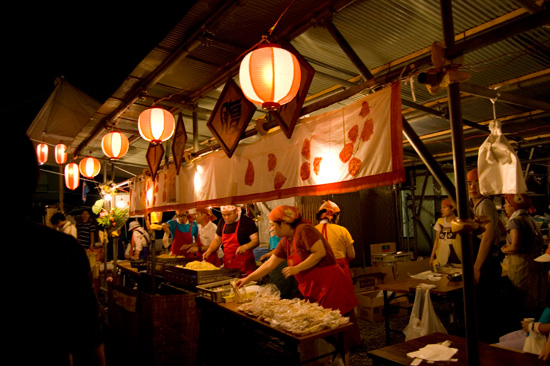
545 317
174 224
273 241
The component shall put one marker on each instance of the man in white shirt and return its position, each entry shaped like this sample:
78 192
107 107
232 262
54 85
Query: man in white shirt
60 222
207 233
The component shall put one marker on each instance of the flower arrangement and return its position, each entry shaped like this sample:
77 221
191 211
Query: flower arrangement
113 219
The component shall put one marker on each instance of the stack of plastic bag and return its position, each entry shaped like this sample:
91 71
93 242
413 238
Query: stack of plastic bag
423 319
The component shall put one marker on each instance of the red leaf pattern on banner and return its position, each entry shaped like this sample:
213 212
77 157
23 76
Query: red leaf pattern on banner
368 130
347 152
279 181
306 148
317 165
249 175
271 162
305 170
352 134
365 110
354 166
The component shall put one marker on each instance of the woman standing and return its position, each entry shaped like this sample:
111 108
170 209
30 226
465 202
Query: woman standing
337 236
311 261
447 247
524 243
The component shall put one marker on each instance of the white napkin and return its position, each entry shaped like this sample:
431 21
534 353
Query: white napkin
434 352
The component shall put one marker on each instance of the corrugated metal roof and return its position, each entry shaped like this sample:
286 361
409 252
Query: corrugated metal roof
388 36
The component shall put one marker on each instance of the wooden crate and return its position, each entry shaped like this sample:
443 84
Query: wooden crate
169 329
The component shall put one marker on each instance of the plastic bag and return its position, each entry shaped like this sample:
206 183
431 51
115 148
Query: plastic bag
423 319
534 343
499 168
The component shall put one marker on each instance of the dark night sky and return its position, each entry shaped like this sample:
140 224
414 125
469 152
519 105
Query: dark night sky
94 49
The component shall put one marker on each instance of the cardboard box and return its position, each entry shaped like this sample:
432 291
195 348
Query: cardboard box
371 306
404 270
92 257
366 278
382 248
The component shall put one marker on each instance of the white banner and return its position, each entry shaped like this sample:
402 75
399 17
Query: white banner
357 147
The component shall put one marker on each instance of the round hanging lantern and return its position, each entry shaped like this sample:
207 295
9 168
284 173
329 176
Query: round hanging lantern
89 167
156 124
115 145
72 176
270 76
42 153
60 154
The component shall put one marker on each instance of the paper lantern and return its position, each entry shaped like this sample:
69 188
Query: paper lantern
42 153
156 124
60 154
72 176
89 167
270 76
115 145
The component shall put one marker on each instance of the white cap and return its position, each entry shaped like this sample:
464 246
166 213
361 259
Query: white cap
545 257
133 225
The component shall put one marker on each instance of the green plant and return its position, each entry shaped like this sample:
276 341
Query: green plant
113 219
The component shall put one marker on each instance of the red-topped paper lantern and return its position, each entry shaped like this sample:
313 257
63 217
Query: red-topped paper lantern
156 124
115 145
270 76
42 153
60 154
89 167
72 176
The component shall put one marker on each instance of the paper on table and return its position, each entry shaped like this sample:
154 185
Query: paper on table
434 352
423 275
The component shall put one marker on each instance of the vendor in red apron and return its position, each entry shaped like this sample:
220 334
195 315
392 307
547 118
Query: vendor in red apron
338 237
238 235
207 232
184 232
311 261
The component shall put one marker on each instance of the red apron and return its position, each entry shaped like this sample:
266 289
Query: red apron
180 239
342 262
246 261
328 286
212 258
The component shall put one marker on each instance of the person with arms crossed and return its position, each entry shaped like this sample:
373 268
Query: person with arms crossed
184 233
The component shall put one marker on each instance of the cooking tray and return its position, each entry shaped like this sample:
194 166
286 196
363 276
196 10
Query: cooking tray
191 278
216 291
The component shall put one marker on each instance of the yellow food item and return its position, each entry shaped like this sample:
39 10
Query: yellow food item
201 266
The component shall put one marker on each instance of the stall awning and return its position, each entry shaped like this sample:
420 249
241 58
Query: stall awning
64 114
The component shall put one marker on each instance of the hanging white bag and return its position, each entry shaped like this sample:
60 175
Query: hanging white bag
498 165
423 319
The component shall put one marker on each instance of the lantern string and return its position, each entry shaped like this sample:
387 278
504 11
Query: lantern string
264 39
283 13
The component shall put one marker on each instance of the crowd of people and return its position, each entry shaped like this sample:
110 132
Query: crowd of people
504 299
315 257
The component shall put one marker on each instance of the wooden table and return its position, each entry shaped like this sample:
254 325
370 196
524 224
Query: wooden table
488 355
228 335
407 287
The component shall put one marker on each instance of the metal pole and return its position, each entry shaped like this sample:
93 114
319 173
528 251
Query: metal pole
457 137
195 129
432 165
61 188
